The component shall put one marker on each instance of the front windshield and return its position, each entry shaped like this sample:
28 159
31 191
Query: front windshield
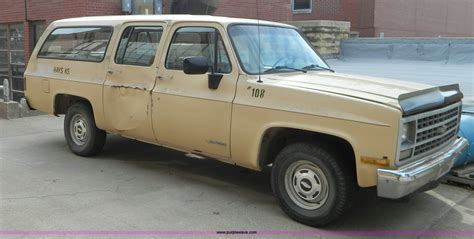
281 49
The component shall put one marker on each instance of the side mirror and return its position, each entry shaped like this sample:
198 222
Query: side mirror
195 65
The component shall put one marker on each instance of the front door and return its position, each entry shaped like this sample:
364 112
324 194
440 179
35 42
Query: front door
187 114
130 79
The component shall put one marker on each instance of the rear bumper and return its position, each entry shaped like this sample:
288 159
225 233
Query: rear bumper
417 175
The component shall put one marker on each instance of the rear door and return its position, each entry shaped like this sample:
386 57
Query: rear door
130 79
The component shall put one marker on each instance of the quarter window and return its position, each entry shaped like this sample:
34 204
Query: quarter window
77 43
138 46
198 41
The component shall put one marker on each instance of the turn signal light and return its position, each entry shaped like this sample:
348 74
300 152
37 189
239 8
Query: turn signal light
376 161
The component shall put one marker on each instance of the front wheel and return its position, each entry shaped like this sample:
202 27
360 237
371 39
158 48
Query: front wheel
313 185
82 135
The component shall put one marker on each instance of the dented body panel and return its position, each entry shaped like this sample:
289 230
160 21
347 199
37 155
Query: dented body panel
168 107
127 92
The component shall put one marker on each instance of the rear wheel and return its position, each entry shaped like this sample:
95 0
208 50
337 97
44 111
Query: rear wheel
82 135
312 184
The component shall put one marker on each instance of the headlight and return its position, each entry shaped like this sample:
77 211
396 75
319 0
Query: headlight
407 135
407 140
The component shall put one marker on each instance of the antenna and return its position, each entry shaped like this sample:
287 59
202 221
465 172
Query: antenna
259 46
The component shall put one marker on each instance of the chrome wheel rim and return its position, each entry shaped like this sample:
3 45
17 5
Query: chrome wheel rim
78 129
306 185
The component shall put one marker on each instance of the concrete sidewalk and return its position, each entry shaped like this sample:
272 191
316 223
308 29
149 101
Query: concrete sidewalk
136 186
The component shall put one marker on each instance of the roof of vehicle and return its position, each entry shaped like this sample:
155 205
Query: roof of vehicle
120 19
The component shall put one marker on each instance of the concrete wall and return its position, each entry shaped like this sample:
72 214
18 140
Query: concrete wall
13 110
424 18
326 36
447 50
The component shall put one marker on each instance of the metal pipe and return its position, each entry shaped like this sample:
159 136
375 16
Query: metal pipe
26 11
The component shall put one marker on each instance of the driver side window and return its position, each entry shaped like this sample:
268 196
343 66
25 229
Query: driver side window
198 41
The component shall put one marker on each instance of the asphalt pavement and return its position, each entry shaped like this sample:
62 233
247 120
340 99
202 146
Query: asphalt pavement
137 186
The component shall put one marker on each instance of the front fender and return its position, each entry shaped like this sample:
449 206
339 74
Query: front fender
367 140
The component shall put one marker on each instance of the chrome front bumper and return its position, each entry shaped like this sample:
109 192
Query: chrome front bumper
417 175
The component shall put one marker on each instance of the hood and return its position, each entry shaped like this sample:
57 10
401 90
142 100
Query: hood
384 91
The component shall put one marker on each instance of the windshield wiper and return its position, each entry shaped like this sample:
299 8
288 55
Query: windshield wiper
276 68
313 66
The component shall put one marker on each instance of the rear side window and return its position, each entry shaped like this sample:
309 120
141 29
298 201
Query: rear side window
138 46
198 41
77 43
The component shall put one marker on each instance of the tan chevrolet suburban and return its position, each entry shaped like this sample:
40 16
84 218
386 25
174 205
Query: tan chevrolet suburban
250 93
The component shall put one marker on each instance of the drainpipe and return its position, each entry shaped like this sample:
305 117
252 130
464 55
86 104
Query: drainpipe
26 11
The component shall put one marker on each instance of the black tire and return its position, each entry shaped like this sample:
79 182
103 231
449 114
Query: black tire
89 143
340 178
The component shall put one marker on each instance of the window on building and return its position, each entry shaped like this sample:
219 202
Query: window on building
12 58
198 41
143 7
37 28
302 6
77 43
138 46
4 72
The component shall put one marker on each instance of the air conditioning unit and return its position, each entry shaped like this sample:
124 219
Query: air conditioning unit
127 6
158 7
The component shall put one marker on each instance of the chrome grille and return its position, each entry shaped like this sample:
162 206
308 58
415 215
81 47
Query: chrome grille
434 144
434 129
435 119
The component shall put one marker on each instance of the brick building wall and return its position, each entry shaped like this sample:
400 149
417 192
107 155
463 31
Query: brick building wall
424 18
13 11
359 12
276 10
272 10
